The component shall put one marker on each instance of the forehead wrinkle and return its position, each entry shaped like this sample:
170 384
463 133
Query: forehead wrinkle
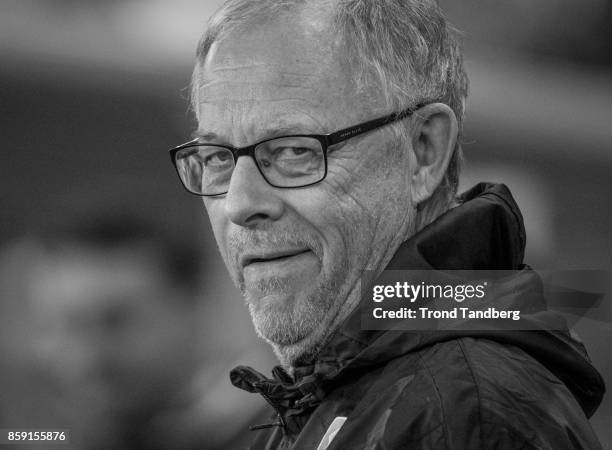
299 93
271 125
243 106
270 76
231 79
250 70
267 68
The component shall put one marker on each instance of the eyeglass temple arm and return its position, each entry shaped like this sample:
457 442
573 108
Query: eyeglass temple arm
348 133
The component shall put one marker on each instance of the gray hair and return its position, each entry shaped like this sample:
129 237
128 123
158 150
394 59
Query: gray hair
407 47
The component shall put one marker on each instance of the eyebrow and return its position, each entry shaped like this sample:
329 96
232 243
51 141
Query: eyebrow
204 136
268 132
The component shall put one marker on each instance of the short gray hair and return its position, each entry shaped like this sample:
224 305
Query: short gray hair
407 47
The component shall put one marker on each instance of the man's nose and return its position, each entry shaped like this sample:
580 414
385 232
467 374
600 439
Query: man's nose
250 200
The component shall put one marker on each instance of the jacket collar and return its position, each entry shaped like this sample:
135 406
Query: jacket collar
484 232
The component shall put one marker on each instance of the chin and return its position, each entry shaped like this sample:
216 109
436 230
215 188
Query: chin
296 318
284 320
287 317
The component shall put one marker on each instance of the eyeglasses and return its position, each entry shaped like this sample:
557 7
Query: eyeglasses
292 161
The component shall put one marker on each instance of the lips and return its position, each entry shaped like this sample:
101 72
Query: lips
270 256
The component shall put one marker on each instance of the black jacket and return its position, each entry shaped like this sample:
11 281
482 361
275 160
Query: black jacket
442 389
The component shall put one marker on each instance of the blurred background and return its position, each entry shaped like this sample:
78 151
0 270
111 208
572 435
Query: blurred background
101 334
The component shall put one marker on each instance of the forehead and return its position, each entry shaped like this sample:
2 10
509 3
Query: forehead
283 73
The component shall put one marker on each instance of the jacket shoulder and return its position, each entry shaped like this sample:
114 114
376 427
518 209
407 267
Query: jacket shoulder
470 393
522 398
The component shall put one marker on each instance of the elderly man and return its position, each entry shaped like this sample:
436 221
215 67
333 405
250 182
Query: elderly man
327 145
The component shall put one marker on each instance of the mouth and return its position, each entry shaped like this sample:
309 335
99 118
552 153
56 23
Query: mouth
271 257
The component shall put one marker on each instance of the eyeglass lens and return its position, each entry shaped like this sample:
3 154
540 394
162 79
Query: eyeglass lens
283 162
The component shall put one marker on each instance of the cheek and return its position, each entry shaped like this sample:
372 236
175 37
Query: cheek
339 219
362 197
371 175
370 200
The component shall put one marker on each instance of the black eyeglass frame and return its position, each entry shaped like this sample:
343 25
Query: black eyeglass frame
326 141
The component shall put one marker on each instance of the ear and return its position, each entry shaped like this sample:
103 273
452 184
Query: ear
433 142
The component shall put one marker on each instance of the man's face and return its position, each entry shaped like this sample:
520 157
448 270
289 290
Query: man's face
297 254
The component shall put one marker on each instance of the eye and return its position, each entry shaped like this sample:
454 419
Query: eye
289 153
219 159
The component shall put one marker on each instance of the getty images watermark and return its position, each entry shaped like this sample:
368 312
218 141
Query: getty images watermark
484 299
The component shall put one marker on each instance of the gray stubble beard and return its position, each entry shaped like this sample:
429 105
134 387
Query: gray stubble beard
298 331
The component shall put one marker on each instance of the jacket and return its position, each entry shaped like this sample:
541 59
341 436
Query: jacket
441 389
